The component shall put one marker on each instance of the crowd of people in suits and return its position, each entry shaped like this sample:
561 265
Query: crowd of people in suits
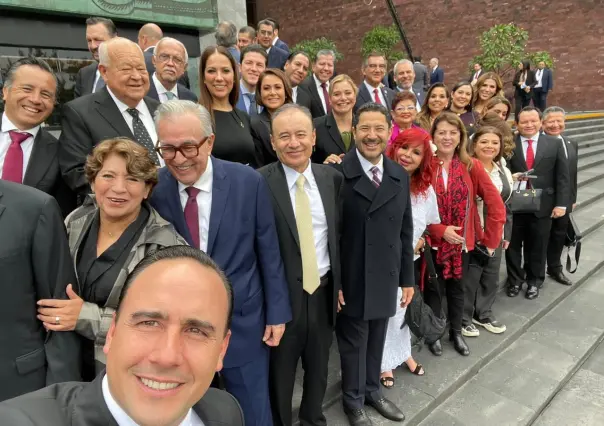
167 236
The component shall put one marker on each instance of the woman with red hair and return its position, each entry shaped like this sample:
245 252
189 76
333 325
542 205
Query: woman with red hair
412 150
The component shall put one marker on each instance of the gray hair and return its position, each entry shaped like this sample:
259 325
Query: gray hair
226 34
403 62
178 108
374 54
28 61
291 108
552 110
175 41
326 52
250 31
104 58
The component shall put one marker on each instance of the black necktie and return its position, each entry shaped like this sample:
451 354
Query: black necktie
141 135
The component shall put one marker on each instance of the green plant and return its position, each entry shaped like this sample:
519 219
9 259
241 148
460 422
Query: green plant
384 40
542 55
311 47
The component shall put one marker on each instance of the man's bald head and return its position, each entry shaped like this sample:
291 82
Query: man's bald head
149 35
122 66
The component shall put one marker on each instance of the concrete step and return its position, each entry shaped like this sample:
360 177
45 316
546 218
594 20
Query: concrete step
590 150
518 384
583 129
454 370
591 161
573 124
588 136
589 175
590 143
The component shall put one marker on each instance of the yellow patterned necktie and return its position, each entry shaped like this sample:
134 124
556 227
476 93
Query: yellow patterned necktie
310 269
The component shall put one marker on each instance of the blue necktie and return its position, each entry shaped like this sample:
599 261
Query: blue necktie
253 106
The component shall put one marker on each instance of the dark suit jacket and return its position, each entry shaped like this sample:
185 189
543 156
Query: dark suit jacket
376 245
85 80
184 79
316 106
437 76
572 148
480 71
34 264
530 80
282 45
547 81
260 126
422 76
83 404
551 169
419 93
86 122
303 98
329 141
183 93
43 171
277 58
243 241
364 96
329 181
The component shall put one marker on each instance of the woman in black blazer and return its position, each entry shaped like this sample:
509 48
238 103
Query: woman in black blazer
334 130
524 81
272 91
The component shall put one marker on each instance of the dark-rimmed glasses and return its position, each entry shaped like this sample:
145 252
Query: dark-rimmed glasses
187 149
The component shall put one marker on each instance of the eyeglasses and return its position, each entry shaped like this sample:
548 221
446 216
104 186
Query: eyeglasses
400 110
188 150
165 58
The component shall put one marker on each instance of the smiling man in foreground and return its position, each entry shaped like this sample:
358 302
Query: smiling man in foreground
169 335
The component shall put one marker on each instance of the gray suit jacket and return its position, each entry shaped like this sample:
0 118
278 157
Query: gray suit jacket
422 76
85 80
82 404
34 264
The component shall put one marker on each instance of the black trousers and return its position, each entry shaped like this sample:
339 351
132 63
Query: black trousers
361 346
557 238
530 236
308 337
521 100
539 99
480 288
452 289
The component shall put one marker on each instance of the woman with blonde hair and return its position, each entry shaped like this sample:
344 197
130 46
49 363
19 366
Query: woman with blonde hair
488 86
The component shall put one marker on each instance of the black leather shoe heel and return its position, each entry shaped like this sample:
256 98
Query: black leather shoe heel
459 343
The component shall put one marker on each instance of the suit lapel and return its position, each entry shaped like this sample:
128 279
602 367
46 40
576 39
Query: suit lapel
220 194
2 206
278 184
315 93
332 127
107 108
152 93
519 153
388 189
541 148
42 156
328 194
364 93
387 98
88 407
352 168
90 77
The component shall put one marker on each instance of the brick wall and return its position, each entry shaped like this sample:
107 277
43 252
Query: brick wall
572 31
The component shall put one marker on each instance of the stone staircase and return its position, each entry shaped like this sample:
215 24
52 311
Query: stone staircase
448 376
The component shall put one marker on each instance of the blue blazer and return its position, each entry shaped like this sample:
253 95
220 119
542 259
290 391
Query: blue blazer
437 76
282 45
243 241
547 82
277 58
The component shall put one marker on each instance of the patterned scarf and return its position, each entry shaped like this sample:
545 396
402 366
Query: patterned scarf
452 204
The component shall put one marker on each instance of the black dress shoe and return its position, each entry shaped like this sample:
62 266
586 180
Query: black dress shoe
532 292
513 290
357 417
459 343
436 348
560 277
387 409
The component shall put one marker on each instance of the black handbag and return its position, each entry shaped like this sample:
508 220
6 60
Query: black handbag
526 200
573 239
419 317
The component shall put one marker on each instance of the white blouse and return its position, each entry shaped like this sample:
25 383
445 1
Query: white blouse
424 208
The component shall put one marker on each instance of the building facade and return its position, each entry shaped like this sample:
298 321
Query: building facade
572 31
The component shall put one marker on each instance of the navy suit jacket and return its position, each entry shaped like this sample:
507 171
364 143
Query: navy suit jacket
282 45
243 241
364 96
547 81
437 76
277 58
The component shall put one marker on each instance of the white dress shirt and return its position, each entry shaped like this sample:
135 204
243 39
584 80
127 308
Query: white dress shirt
418 107
564 145
370 88
424 208
143 113
524 140
538 77
295 93
5 141
367 166
161 90
96 79
204 202
317 211
275 41
123 419
320 90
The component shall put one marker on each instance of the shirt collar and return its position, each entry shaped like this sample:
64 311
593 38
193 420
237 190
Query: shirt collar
205 181
370 87
275 41
242 87
318 82
269 50
149 48
291 175
160 87
367 165
141 107
8 125
534 138
120 416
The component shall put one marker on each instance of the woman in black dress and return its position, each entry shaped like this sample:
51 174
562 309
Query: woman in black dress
272 91
219 86
461 103
524 81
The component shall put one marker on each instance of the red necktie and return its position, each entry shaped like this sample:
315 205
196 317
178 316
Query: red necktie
530 154
192 214
377 97
326 96
13 162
